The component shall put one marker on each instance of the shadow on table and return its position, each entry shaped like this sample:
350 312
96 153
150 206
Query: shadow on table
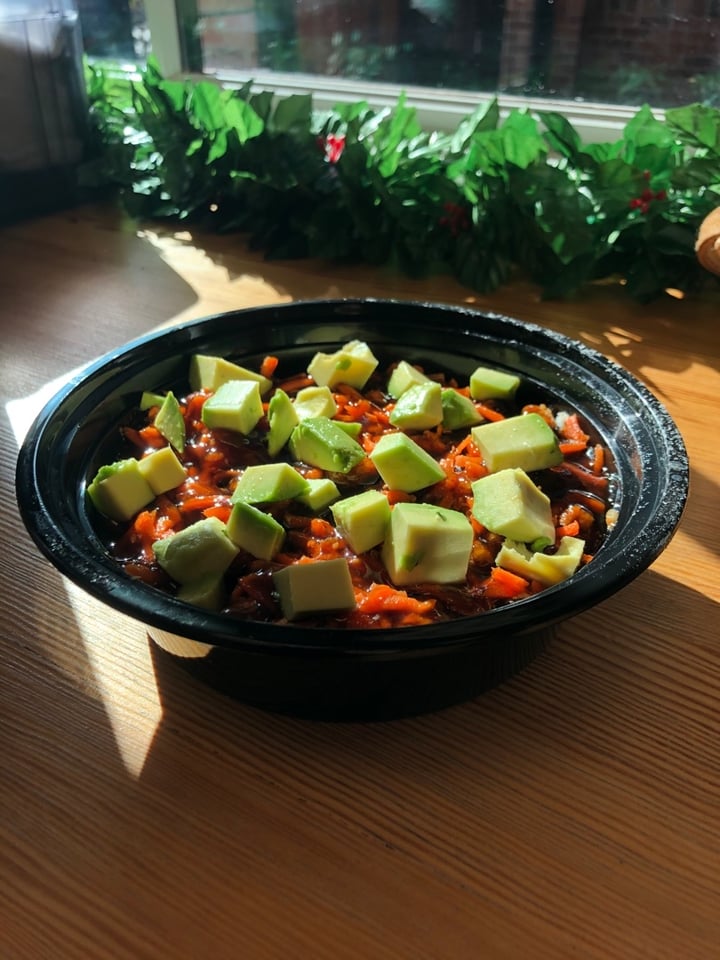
639 336
609 654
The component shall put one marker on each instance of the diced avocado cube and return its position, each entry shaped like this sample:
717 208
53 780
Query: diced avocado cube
403 377
547 568
207 592
487 384
419 407
255 531
458 410
162 470
202 548
235 405
119 490
267 482
322 443
353 364
353 428
524 441
318 587
171 423
282 419
209 373
321 493
403 464
509 503
362 519
148 400
427 544
315 402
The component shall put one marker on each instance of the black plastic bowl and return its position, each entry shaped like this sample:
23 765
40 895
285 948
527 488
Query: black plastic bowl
354 674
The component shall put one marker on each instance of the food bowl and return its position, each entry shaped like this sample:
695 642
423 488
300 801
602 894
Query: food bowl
354 674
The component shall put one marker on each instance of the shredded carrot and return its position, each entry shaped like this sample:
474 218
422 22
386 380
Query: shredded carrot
152 437
296 383
321 528
466 441
588 480
472 467
488 412
268 366
381 598
598 459
399 496
568 447
571 529
542 410
193 504
571 429
222 511
502 584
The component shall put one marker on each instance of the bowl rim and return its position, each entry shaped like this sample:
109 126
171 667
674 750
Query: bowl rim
102 577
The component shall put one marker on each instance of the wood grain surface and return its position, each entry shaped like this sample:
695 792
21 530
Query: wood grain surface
571 813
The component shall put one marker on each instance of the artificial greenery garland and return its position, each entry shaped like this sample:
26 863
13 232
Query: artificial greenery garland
492 199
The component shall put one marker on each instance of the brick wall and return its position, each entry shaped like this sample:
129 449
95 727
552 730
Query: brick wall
671 40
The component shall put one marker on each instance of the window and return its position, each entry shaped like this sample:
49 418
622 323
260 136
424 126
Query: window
584 53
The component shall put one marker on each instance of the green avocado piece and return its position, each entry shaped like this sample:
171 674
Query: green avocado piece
207 592
319 587
362 519
403 464
267 482
353 364
202 548
487 383
427 544
525 441
353 428
322 443
235 405
119 490
209 373
255 531
282 418
419 407
162 470
458 410
171 423
148 400
509 503
547 568
404 376
321 493
314 402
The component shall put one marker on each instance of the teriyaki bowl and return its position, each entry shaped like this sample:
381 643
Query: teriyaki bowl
354 674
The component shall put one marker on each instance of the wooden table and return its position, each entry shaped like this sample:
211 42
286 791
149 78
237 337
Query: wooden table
572 813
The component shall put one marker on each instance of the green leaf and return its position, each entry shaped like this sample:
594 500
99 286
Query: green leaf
521 140
561 135
292 113
218 147
696 125
484 117
205 103
243 118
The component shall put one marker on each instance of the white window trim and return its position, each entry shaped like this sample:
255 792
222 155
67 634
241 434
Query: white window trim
437 109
